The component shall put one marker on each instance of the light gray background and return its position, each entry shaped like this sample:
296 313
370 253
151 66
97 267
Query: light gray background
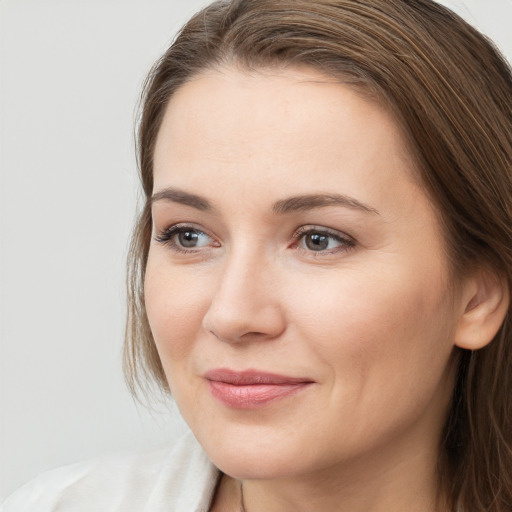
71 73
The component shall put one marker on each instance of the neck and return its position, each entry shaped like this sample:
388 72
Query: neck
398 478
363 489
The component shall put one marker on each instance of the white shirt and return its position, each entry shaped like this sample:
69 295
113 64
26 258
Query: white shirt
180 479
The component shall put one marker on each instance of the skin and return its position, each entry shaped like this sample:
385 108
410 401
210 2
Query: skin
370 321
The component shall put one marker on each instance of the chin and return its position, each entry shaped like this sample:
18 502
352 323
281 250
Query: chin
254 466
256 453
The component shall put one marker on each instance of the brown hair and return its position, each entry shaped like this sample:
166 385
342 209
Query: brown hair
452 92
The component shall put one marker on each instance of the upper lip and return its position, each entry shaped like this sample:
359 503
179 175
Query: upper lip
251 377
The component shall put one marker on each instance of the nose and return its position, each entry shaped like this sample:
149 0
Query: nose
245 304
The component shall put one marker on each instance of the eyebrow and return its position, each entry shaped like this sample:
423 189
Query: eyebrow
310 202
291 204
179 196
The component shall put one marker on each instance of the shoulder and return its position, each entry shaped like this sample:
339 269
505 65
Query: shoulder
180 478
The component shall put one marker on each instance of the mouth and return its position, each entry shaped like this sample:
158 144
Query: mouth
252 389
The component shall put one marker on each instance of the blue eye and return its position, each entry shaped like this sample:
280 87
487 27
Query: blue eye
183 238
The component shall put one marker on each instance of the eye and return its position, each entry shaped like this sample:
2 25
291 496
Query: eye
322 240
191 238
185 238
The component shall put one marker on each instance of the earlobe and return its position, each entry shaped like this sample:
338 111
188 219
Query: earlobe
485 304
486 301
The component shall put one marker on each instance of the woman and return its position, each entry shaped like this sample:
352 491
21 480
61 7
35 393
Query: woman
321 272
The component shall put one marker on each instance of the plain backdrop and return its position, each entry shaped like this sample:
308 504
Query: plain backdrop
71 73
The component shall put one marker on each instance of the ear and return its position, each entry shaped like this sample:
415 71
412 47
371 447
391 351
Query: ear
485 304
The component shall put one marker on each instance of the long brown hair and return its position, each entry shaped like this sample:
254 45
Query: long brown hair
451 91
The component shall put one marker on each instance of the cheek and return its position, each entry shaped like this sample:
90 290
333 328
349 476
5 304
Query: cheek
175 303
384 345
384 321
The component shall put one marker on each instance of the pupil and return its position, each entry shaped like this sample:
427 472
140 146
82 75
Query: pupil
188 238
317 242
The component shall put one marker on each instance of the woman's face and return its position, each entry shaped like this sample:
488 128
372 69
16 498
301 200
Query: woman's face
297 286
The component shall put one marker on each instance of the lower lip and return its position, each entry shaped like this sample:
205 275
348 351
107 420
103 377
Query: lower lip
253 396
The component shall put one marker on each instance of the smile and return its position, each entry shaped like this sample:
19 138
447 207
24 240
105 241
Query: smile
252 389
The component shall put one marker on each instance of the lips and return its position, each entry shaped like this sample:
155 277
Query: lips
252 389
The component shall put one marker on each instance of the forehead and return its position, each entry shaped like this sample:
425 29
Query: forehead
269 117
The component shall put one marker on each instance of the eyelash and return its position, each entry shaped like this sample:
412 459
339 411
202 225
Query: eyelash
346 242
166 237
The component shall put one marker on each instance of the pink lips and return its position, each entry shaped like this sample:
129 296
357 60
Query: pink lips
251 389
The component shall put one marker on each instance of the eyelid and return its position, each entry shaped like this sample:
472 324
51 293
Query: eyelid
166 235
347 242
